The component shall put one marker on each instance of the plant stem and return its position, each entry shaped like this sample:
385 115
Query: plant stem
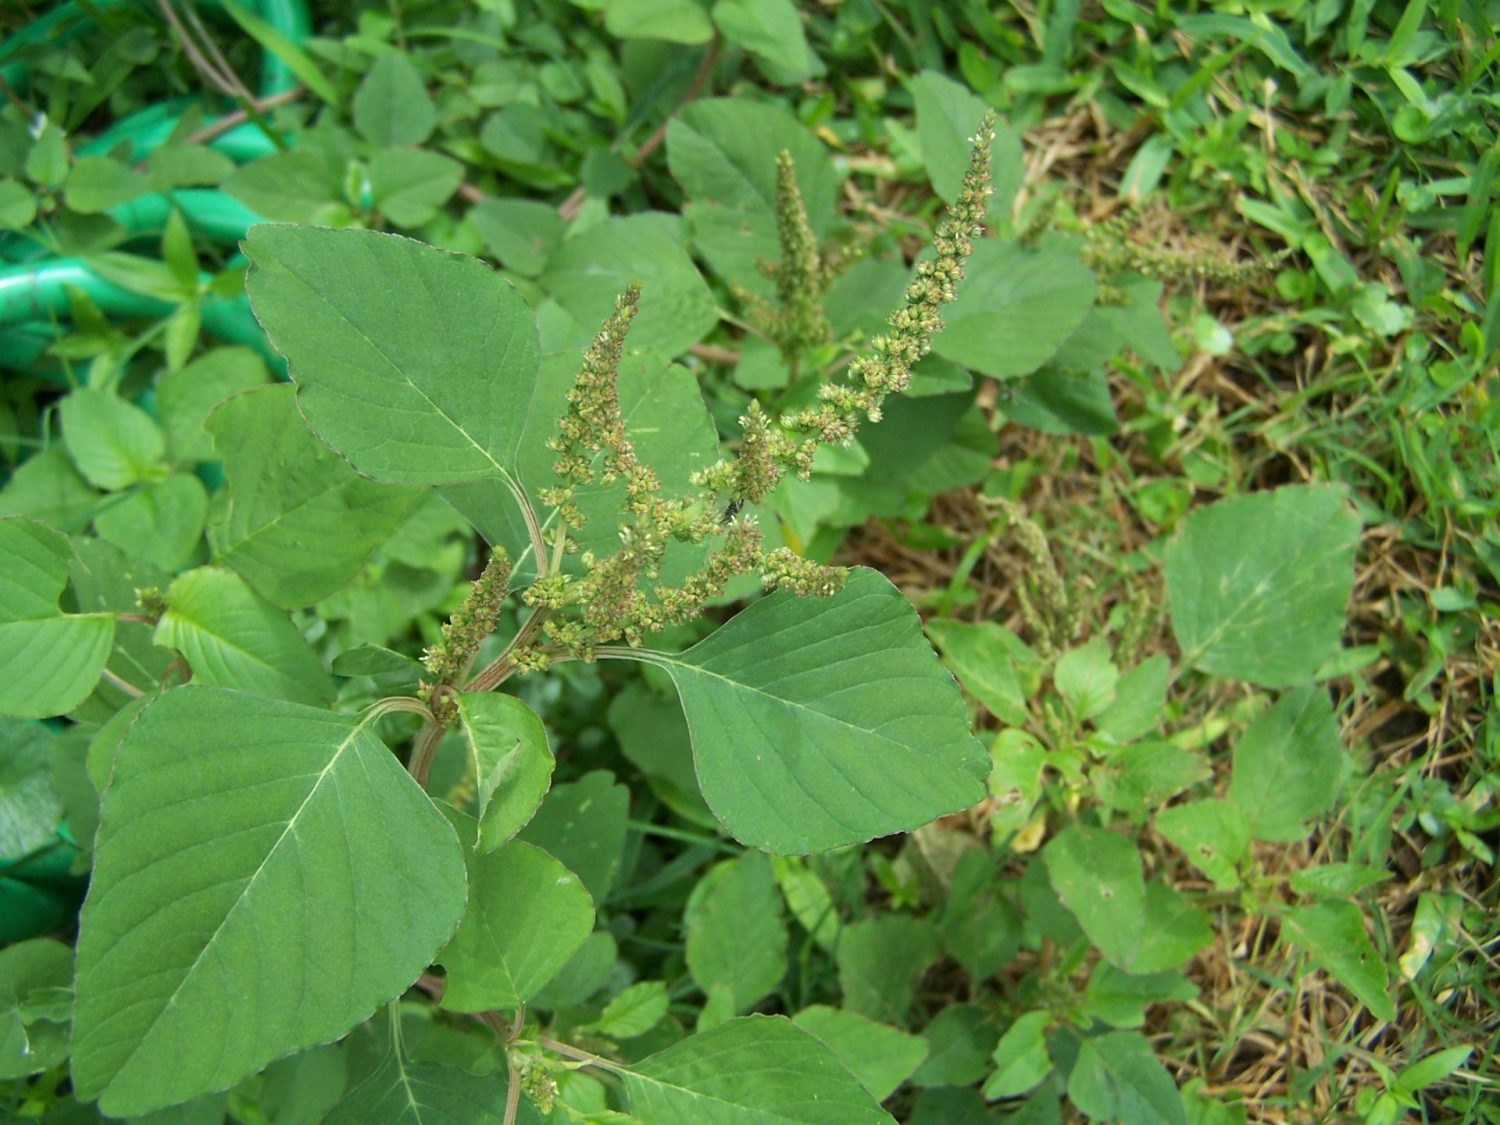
498 670
533 528
424 751
558 1047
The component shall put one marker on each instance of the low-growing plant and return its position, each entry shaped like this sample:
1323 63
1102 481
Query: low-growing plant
266 874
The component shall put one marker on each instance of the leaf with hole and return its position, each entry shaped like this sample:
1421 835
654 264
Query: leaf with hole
49 660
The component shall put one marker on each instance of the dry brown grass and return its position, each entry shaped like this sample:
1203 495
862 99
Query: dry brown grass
1280 1036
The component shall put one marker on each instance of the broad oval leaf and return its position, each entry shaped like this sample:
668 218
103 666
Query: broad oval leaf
749 1071
1015 308
405 1092
1097 875
1257 584
1287 765
35 998
736 938
527 915
512 762
820 722
114 443
233 638
1333 934
49 661
266 876
1117 1077
299 522
29 804
417 364
880 1056
593 268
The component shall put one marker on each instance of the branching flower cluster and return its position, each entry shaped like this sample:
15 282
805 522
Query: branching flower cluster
802 275
475 619
618 596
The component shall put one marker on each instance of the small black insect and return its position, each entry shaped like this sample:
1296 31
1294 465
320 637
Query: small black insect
731 511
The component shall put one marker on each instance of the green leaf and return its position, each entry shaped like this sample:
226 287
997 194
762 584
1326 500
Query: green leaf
186 165
948 116
97 183
676 21
984 657
880 1056
591 269
299 523
291 57
1257 584
634 1011
416 364
47 162
960 1040
879 960
722 153
113 443
1121 999
17 205
105 580
653 735
1287 764
1086 677
808 900
735 934
300 1089
293 187
29 804
1097 875
1146 775
1336 880
583 824
1172 930
402 1092
391 106
819 722
409 187
1140 695
1117 1077
586 972
266 876
1015 781
1015 307
1214 836
49 661
1021 1059
512 763
770 30
526 917
749 1071
522 233
185 398
47 487
980 927
1432 1069
232 638
160 521
33 1033
1333 935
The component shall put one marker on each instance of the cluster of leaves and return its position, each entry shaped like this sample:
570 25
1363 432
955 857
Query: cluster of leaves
1048 946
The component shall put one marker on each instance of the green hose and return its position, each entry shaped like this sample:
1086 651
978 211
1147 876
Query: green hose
68 21
38 291
33 288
